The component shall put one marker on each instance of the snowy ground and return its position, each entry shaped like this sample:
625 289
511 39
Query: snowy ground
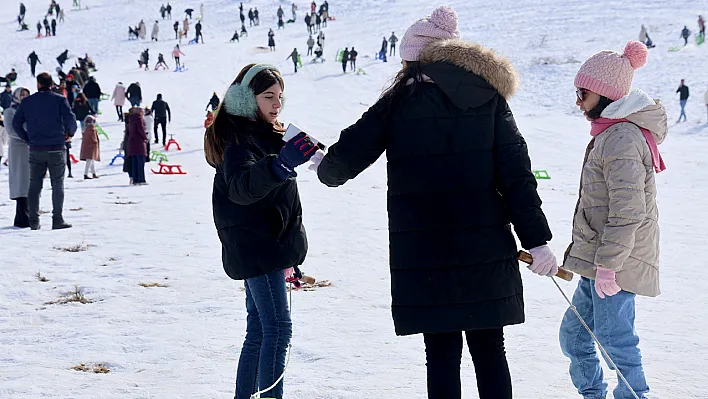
183 340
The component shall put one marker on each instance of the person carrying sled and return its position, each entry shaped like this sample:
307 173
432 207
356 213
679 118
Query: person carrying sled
615 237
176 54
685 34
255 179
295 57
161 61
466 253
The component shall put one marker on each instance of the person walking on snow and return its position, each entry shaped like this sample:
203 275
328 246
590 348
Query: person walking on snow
162 114
45 121
683 99
176 54
242 17
93 93
201 12
250 17
701 26
256 19
118 98
136 145
685 34
271 40
90 147
155 31
321 40
142 29
39 29
185 26
134 94
47 28
296 57
254 179
294 10
280 12
392 42
63 57
198 31
168 9
310 44
18 161
61 16
352 58
176 28
615 246
427 204
161 61
384 49
345 59
54 27
307 22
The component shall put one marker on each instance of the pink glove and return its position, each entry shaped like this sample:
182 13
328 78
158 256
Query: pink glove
605 283
289 272
544 262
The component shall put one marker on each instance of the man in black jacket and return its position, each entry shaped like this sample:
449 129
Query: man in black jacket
45 121
683 99
345 59
134 94
92 91
33 59
162 113
198 30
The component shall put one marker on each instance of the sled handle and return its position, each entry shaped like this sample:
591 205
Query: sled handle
562 273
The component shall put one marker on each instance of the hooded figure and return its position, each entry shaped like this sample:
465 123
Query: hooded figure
118 98
90 147
142 29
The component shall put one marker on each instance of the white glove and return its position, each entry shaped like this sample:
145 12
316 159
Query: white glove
315 161
544 262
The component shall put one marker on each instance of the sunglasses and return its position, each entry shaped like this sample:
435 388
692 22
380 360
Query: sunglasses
580 93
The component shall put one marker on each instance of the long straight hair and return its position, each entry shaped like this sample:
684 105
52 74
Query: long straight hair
399 88
224 129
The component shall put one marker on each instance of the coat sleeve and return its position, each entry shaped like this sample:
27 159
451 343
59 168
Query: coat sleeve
515 181
625 176
18 122
359 146
169 113
248 180
68 117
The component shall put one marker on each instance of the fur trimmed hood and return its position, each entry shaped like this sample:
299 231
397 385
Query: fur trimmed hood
472 57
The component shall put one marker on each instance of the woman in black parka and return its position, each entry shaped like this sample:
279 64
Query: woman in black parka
258 216
458 176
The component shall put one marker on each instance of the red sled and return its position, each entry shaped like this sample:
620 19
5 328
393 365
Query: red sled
172 142
166 169
331 19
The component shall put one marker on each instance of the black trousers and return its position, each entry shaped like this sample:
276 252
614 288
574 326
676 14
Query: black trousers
309 51
21 213
352 64
119 111
344 66
393 50
163 122
444 352
68 160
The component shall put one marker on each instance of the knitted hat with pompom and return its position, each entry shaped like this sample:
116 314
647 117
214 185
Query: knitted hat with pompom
609 73
440 25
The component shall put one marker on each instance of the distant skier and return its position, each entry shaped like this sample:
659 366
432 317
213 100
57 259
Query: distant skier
345 59
198 30
213 103
271 40
161 61
155 31
683 99
176 54
685 34
62 58
295 57
392 41
352 58
189 12
176 28
310 45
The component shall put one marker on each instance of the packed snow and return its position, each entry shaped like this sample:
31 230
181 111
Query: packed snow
183 340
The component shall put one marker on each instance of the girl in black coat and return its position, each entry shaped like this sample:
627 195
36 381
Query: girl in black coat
458 176
258 216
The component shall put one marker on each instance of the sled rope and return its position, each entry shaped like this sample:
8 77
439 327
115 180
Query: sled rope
257 395
597 341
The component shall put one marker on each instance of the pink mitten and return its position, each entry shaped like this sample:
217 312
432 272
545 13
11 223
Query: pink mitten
544 262
605 283
289 272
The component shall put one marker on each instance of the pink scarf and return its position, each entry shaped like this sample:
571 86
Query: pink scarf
599 125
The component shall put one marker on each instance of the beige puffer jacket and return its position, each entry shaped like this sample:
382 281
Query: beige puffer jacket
616 219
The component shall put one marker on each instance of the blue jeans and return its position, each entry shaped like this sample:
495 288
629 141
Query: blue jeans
268 332
683 109
612 321
93 103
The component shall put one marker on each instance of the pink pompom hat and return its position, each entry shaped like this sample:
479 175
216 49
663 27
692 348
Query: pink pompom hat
440 25
609 73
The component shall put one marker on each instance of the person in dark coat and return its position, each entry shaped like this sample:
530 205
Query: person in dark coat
93 93
459 176
189 12
213 103
168 10
250 17
63 57
345 59
33 59
176 28
162 113
352 58
307 22
295 57
384 49
54 27
685 34
683 99
82 109
271 40
45 121
6 97
134 94
198 30
258 216
136 147
47 28
256 20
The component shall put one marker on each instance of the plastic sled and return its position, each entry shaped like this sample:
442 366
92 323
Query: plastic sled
166 169
172 142
541 175
105 97
360 71
101 132
340 54
73 158
158 157
673 49
118 155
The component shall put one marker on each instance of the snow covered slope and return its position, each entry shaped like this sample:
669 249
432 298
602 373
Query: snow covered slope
183 340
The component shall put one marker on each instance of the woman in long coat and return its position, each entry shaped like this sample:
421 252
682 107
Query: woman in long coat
18 154
90 147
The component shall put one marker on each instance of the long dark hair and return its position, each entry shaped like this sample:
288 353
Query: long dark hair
225 130
399 88
596 111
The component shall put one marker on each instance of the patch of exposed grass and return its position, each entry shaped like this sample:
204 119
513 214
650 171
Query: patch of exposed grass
125 203
149 285
76 209
75 295
41 278
80 247
96 368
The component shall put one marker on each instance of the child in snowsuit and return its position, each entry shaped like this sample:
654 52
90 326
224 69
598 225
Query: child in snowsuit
615 244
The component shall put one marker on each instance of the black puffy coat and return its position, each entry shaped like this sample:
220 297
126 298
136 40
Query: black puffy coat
92 89
458 175
257 215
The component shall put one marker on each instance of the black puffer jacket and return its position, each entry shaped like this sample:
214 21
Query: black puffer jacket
258 216
458 175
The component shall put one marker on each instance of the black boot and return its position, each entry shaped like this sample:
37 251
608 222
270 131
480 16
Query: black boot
59 223
21 213
34 225
86 177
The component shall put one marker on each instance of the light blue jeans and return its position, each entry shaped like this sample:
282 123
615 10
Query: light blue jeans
612 321
683 109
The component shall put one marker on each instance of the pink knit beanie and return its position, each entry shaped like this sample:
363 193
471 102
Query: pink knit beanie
441 24
609 73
